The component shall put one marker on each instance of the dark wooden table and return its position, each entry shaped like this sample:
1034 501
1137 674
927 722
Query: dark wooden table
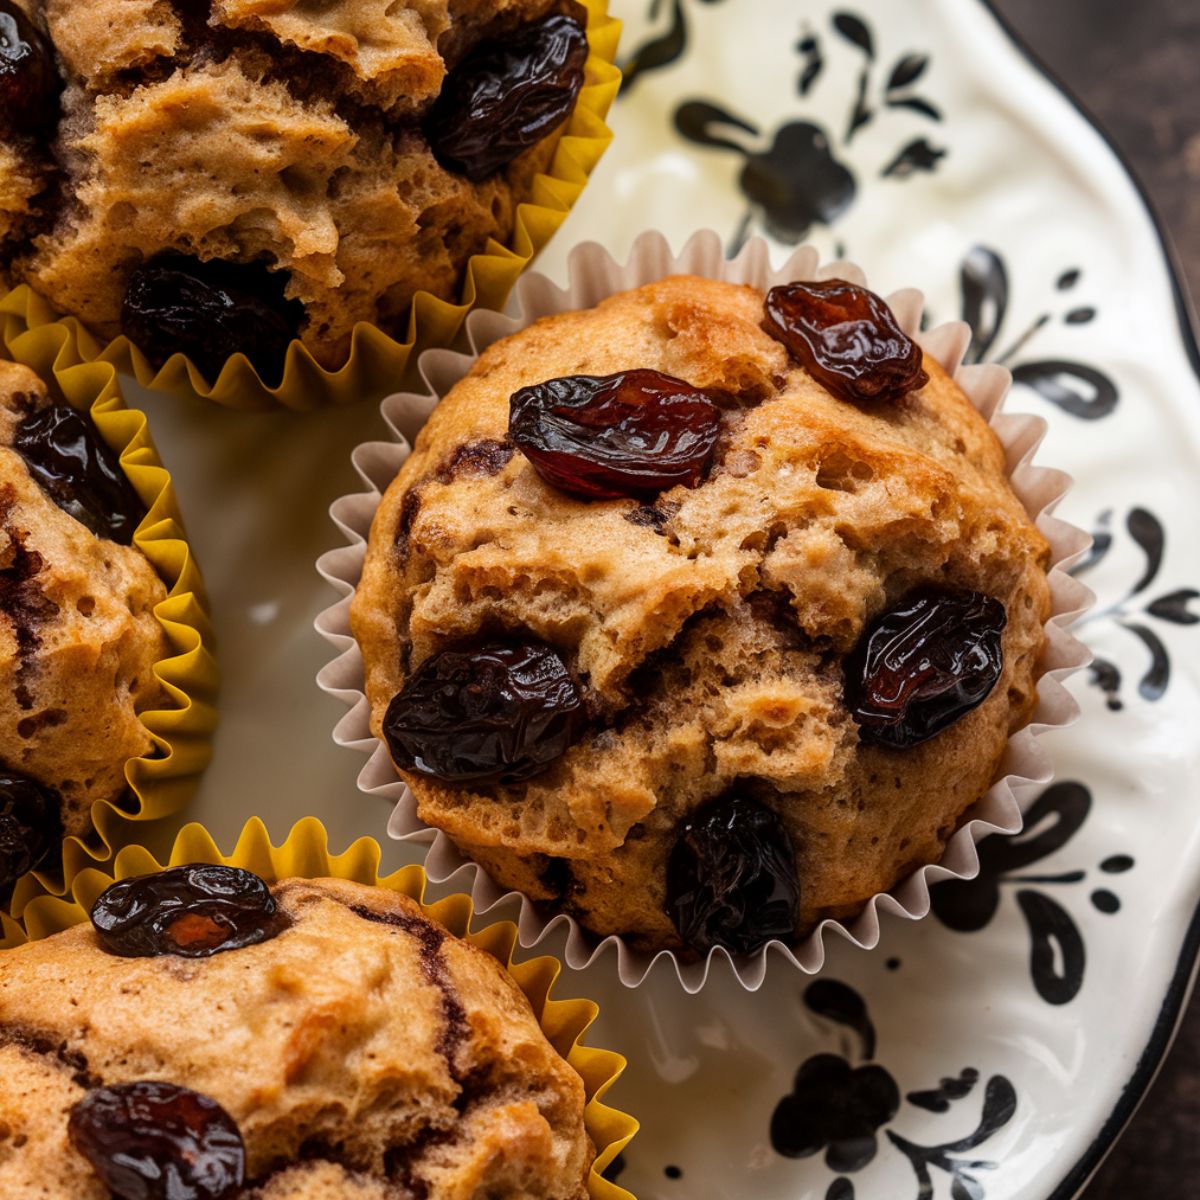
1136 68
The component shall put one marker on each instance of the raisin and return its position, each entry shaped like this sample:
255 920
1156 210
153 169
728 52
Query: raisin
191 911
731 878
210 311
30 826
29 82
507 95
846 338
499 712
154 1141
79 471
604 437
924 664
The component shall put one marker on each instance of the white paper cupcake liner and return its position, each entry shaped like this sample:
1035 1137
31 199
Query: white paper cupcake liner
593 274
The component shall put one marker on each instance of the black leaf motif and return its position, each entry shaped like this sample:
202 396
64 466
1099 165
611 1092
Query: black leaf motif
1068 279
840 1189
908 70
1057 957
854 30
1049 380
1174 607
999 1105
951 1088
658 52
836 1002
918 155
916 104
984 283
1146 529
1153 684
1080 316
862 113
1107 677
696 120
814 62
1102 542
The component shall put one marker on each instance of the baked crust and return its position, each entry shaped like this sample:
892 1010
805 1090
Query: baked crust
710 628
78 635
363 1052
273 131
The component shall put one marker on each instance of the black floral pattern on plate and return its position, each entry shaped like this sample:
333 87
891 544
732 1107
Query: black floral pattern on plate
1130 610
796 177
1057 953
841 1109
1076 388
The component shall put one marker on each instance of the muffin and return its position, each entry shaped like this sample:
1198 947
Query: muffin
702 615
311 1040
225 177
78 635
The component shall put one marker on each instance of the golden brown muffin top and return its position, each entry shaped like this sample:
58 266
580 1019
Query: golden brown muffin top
78 635
362 1052
708 627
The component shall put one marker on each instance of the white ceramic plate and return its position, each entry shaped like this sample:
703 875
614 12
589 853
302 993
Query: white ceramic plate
1007 1039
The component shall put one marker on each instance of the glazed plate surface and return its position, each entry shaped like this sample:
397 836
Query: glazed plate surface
995 1050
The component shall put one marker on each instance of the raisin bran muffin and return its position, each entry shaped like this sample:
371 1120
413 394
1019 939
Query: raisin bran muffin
78 635
699 633
317 1040
215 175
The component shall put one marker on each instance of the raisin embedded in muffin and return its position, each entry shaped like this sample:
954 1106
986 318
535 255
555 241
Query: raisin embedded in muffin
337 1044
78 635
230 175
703 615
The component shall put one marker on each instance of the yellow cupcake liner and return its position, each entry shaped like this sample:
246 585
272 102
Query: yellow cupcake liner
377 361
161 781
305 853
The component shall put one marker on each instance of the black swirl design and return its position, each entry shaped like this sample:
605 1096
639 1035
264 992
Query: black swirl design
1057 953
1130 610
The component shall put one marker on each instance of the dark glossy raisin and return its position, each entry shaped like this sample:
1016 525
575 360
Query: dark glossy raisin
924 664
211 311
29 82
192 912
499 712
507 95
731 878
155 1141
846 338
30 826
79 471
604 437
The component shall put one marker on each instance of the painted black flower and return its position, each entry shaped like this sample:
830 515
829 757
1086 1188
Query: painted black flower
796 176
836 1108
843 1110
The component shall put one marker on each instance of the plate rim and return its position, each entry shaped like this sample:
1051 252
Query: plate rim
1183 980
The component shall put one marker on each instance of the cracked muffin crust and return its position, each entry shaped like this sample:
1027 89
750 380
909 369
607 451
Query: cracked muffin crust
78 635
361 1051
709 627
279 136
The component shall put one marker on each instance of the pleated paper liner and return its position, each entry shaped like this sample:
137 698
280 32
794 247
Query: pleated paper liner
378 361
593 275
305 853
161 781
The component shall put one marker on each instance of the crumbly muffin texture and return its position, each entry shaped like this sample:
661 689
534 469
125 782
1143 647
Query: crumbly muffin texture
708 629
78 635
363 1052
266 131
